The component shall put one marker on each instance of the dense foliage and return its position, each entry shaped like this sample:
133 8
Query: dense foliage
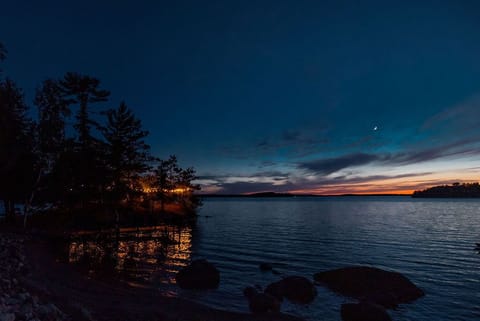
100 164
455 190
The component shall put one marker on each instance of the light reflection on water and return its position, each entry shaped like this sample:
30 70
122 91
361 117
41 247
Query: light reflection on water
147 256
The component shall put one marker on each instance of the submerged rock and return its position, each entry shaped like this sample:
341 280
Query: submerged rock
266 266
249 292
294 288
276 289
200 274
371 284
363 311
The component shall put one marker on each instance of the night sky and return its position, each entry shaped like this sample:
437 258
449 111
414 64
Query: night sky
290 96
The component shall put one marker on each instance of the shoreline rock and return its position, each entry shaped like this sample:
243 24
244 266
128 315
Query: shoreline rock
297 289
16 303
260 302
200 274
371 284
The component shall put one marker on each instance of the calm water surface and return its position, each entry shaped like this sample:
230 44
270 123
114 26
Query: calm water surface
430 241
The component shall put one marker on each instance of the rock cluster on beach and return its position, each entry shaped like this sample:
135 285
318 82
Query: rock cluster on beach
375 289
260 302
200 274
16 303
296 289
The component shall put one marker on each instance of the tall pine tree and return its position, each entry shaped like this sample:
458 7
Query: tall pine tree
88 177
83 90
52 111
127 153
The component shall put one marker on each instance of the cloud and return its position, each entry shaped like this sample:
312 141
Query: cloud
290 143
250 187
365 179
463 147
336 185
265 164
265 175
465 115
331 165
459 148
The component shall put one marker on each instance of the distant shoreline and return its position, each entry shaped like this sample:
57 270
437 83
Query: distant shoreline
289 195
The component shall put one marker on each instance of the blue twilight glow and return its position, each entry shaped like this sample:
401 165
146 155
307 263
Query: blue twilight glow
304 96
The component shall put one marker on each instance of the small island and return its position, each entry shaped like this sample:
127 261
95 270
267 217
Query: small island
456 190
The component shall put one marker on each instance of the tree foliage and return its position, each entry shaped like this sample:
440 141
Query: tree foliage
175 183
127 153
3 54
52 112
82 90
17 163
93 161
456 190
88 180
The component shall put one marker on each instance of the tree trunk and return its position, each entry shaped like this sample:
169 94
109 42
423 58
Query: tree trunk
117 224
9 210
28 202
5 206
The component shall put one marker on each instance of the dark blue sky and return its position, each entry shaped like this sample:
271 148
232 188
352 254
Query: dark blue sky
276 95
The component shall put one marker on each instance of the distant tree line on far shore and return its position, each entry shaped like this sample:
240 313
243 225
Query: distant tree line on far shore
455 190
75 162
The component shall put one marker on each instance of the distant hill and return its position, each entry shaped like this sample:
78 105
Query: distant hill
253 195
274 194
456 190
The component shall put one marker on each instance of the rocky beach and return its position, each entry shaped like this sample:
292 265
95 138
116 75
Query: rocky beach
36 286
17 302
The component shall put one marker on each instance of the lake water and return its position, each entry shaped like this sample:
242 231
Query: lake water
432 242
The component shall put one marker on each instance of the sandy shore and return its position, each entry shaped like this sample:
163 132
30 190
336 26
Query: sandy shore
68 294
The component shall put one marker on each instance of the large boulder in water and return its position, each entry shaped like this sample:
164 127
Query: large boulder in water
363 311
371 284
200 274
295 288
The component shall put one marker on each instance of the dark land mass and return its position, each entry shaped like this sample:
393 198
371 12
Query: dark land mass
254 195
455 190
273 194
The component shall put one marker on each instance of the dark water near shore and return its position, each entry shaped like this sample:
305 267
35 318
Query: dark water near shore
430 241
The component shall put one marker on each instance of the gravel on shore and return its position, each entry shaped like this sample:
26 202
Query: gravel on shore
16 302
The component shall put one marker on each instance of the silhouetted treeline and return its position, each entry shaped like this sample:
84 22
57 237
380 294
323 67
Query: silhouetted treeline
77 156
455 190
